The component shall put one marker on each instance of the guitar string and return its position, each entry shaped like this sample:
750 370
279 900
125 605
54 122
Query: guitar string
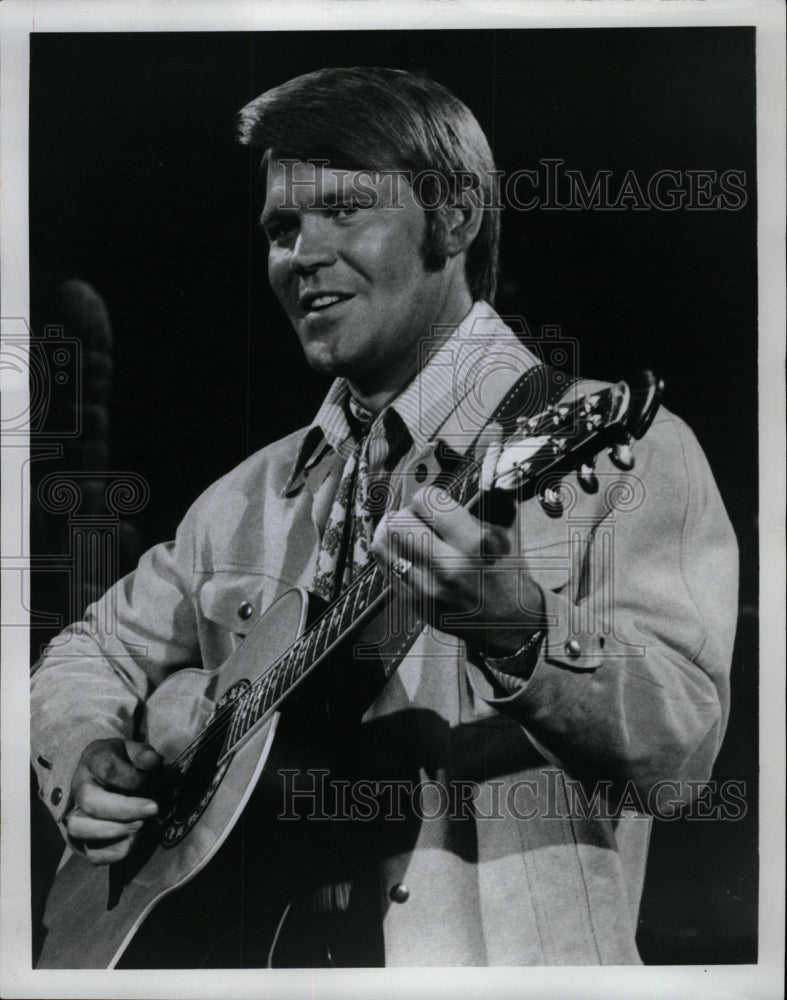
219 725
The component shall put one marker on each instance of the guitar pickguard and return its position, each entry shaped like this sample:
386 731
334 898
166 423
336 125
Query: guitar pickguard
201 774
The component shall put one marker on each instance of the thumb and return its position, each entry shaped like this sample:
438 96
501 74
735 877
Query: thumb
143 756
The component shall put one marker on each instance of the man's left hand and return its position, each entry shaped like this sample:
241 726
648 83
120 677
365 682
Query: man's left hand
461 573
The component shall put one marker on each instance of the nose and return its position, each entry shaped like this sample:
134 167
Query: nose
313 246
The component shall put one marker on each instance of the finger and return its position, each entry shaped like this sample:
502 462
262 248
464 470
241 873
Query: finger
83 827
105 764
143 756
101 804
106 854
394 533
465 534
434 567
456 526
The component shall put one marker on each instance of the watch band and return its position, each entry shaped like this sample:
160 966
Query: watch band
512 663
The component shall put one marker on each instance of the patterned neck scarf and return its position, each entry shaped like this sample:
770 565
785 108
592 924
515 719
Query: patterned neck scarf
344 550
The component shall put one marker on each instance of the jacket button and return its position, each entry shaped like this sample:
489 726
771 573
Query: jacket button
56 796
400 893
245 611
421 472
573 648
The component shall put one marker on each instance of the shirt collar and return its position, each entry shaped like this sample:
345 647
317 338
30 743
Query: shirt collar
330 430
449 370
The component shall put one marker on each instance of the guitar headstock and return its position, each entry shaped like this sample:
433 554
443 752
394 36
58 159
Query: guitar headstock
571 434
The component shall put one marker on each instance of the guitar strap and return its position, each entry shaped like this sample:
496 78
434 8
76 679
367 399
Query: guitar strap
535 390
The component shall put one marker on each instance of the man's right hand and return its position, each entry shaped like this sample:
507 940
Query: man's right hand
110 789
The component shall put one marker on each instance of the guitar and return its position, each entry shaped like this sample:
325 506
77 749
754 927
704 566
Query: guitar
216 730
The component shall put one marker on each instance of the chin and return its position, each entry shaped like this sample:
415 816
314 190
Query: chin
326 363
325 358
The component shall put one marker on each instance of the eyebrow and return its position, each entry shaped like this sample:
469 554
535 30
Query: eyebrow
275 215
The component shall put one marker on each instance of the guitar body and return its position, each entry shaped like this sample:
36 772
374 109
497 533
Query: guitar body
93 911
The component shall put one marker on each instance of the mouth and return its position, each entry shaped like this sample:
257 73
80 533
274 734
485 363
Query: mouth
320 302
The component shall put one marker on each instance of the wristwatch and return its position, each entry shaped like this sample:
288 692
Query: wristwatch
521 662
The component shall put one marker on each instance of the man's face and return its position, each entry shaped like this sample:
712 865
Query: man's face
351 277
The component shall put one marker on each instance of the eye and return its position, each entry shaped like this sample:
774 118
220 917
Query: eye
343 210
279 228
279 231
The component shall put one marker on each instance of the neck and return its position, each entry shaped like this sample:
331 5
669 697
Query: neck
377 390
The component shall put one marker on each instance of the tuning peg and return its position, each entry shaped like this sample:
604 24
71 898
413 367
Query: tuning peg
621 455
587 475
551 500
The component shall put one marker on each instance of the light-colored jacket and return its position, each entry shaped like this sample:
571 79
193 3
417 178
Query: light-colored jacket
509 865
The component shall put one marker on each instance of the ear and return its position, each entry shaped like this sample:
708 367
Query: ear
461 223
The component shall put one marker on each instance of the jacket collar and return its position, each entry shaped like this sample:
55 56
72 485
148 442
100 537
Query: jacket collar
450 370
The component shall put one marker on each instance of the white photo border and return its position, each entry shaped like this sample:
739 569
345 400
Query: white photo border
19 20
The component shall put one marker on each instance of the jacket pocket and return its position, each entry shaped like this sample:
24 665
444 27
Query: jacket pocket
231 603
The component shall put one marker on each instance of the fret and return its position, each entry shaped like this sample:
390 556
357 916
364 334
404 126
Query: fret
295 660
258 695
279 685
356 601
254 705
319 640
242 716
324 637
365 590
266 701
466 484
376 584
289 671
274 688
327 632
232 734
335 624
289 666
345 610
309 643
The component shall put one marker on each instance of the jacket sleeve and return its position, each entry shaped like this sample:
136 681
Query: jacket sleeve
632 681
94 677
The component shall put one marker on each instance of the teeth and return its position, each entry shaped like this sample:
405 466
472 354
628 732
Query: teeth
324 300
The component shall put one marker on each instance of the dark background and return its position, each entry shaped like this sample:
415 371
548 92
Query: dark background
137 187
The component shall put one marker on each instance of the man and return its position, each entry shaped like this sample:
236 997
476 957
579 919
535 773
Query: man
574 647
